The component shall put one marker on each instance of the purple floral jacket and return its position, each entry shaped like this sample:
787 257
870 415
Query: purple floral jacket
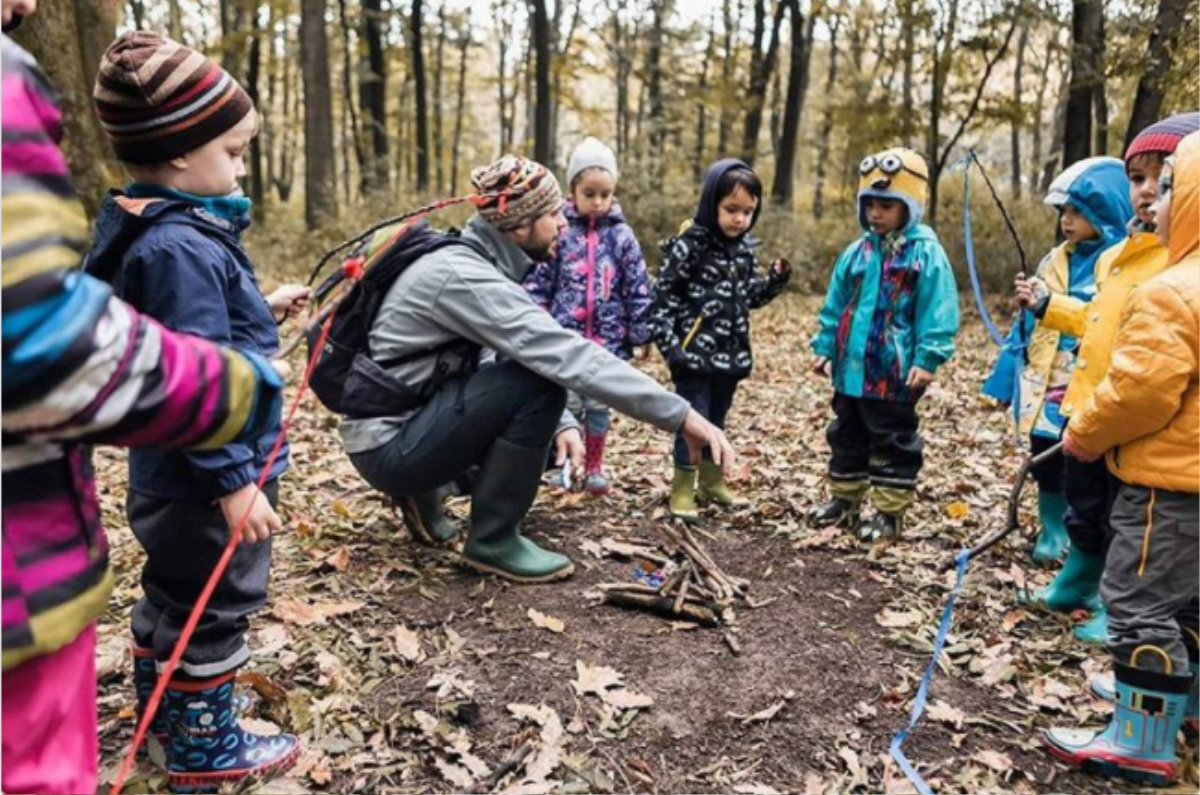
597 284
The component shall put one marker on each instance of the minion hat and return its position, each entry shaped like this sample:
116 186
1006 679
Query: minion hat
899 174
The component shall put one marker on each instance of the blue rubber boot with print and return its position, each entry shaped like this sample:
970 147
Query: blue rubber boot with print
1139 742
1105 688
145 677
208 747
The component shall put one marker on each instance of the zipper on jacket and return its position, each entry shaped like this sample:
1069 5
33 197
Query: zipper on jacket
591 277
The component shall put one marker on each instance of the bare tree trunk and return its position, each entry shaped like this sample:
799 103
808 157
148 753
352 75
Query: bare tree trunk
68 39
255 176
827 117
543 145
1018 109
1151 88
728 66
439 149
503 35
353 130
418 68
761 66
460 106
944 47
907 128
320 187
233 38
286 173
372 95
1100 96
785 165
702 104
1086 27
660 9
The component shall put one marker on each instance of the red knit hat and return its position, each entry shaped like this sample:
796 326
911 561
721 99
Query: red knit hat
1163 136
158 100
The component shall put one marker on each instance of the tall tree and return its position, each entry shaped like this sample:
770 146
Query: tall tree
416 24
1151 87
372 94
826 133
464 50
351 128
660 10
703 100
762 64
785 163
234 16
439 67
908 25
320 187
1100 94
255 176
728 100
1086 25
1018 112
68 38
543 143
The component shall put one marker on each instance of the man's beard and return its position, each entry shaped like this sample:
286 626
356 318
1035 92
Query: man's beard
13 23
542 253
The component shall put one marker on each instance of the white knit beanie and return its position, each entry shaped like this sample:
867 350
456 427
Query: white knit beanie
591 153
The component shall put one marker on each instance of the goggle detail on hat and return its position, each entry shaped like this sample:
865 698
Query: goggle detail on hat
890 163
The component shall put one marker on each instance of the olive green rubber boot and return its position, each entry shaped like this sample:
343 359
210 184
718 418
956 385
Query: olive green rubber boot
683 494
713 487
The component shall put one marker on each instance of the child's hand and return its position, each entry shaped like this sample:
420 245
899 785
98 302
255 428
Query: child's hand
781 267
283 367
918 379
262 521
641 352
288 301
820 366
1029 291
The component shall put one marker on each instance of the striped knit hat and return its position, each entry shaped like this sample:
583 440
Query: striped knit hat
1163 136
158 100
515 192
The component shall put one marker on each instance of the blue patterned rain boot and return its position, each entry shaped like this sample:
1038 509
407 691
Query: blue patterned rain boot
145 677
1052 541
1094 631
208 747
1139 742
1076 586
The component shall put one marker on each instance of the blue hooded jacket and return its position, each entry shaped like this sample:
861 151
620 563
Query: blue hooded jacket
182 263
886 313
1100 193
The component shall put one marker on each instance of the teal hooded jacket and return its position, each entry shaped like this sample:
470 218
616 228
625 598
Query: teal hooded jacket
886 313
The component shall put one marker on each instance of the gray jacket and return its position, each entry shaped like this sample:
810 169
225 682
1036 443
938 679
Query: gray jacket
454 293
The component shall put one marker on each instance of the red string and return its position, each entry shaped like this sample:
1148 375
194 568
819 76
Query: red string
206 595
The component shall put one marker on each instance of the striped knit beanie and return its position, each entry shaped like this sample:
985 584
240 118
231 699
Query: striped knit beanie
515 192
158 100
1163 136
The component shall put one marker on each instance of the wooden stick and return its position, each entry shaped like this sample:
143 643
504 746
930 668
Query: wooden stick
315 321
680 597
703 613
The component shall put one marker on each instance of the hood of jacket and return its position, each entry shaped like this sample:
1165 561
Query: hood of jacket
706 213
576 218
122 219
1184 234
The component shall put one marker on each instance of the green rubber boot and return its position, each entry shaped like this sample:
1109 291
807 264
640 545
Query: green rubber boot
1052 542
1076 586
425 517
713 487
1094 631
504 491
683 494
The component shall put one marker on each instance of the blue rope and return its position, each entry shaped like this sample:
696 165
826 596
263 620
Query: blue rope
919 702
969 244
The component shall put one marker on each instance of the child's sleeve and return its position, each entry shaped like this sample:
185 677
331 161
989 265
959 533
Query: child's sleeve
1153 362
80 364
1066 314
762 290
637 293
542 283
671 295
937 312
836 298
184 286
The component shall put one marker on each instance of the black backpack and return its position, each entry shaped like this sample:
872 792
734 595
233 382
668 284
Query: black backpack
345 378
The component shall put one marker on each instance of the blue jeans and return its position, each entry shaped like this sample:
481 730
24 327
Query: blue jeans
712 397
594 415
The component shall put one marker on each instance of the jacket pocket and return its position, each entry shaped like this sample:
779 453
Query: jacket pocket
371 392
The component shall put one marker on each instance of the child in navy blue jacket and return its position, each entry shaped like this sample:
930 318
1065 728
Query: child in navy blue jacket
170 244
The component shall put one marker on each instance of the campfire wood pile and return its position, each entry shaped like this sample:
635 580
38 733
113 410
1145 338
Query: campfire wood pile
694 587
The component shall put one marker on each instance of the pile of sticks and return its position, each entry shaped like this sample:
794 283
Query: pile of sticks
696 589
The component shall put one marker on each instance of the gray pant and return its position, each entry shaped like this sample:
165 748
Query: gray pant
1152 574
183 542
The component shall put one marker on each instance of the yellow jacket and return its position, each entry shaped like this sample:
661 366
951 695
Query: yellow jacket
1118 271
1146 411
1043 341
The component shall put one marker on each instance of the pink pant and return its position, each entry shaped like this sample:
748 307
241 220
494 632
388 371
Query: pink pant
49 710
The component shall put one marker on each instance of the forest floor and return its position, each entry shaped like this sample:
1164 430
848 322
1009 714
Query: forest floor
403 672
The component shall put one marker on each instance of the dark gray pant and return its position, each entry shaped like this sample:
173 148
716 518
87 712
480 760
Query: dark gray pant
183 542
1152 574
454 431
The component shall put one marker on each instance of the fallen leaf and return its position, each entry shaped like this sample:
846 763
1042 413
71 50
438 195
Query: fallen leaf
407 643
1000 762
543 621
762 716
594 679
958 510
892 618
626 699
303 614
940 710
339 560
754 789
